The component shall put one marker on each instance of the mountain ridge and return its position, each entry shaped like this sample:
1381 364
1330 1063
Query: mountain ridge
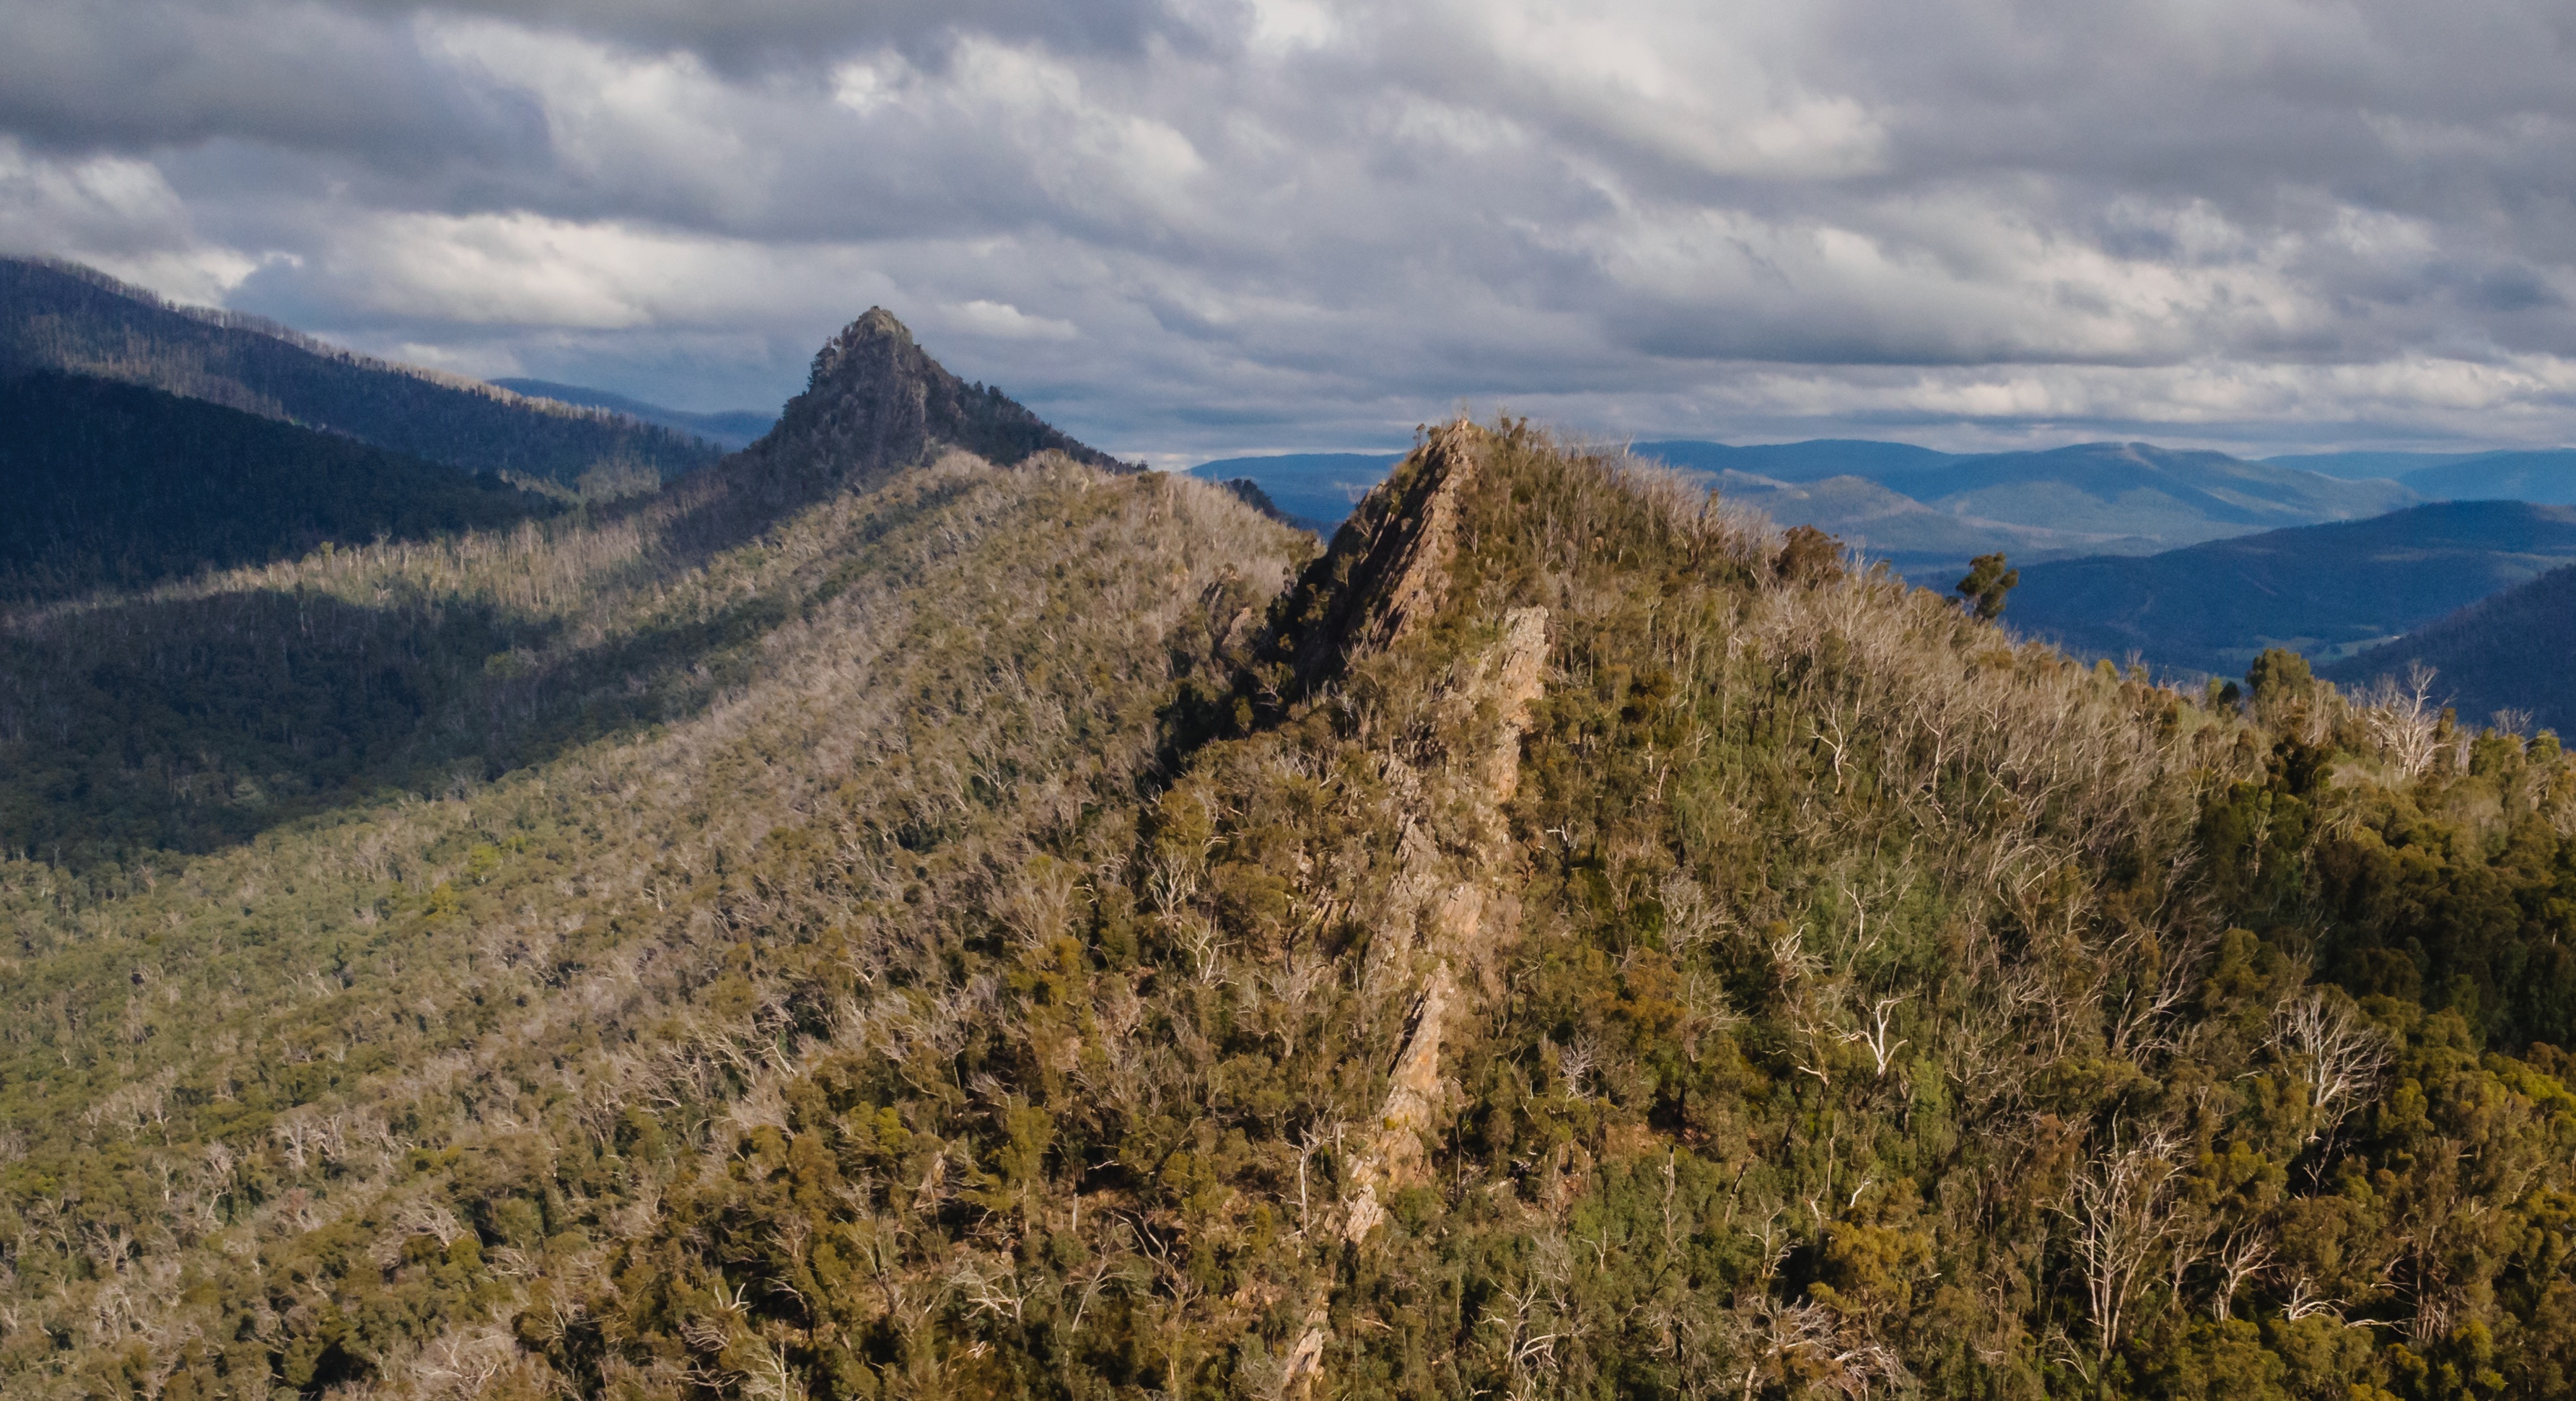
871 920
2507 653
729 429
2321 590
66 317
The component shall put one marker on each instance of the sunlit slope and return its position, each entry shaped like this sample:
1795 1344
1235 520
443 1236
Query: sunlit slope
1573 940
334 1107
1599 948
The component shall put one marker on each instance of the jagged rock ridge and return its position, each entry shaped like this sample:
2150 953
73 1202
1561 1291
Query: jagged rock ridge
877 402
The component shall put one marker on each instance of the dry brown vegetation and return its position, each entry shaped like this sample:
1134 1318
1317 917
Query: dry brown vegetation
1571 941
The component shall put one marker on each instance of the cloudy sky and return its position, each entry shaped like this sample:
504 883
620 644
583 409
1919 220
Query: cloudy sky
1185 228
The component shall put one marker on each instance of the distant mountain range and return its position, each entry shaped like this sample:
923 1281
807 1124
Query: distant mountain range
736 428
2547 474
1927 512
1317 488
64 317
2322 590
2515 650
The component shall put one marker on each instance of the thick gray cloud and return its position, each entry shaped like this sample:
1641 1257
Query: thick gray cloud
1200 226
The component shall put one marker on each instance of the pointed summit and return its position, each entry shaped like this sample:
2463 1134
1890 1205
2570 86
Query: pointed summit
877 403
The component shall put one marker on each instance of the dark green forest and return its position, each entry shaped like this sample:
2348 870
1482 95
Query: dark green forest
116 486
2323 590
880 920
2507 652
64 317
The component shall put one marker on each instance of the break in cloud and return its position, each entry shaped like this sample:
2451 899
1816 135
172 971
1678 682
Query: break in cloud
1191 227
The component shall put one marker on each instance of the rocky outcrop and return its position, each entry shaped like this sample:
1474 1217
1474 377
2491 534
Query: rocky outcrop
877 403
1447 911
1398 571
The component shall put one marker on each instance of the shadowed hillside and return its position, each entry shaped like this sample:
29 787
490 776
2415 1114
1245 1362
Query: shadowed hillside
112 485
60 316
2321 590
2515 651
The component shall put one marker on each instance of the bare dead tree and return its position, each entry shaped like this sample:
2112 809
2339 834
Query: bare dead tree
2403 721
2122 1206
2337 1056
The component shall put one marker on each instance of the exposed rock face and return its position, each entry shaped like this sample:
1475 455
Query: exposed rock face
877 402
1448 912
1400 572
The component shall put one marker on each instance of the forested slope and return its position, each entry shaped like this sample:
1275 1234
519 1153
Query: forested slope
262 1108
112 485
2321 590
2515 651
1571 940
1611 952
60 316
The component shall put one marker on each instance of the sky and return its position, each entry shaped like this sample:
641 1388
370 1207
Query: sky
1191 228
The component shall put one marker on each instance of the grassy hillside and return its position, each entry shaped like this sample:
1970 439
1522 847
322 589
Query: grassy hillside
2321 590
113 485
59 316
2515 651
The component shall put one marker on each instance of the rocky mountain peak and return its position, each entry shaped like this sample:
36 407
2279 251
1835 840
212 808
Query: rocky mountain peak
877 402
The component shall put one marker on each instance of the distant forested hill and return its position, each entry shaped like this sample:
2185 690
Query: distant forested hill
2320 590
1928 512
2513 651
2497 476
63 317
113 485
730 429
1810 461
1312 486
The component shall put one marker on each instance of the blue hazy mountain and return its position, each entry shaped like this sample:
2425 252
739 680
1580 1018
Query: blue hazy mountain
1928 513
2358 466
1811 461
2321 590
731 429
2513 650
1316 487
2545 475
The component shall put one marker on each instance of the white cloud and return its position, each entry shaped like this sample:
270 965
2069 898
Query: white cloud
1003 321
1201 224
